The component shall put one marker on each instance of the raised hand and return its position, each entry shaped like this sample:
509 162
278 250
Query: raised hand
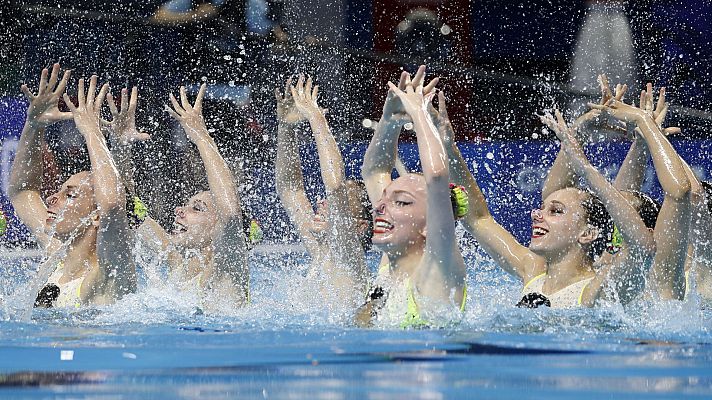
565 134
659 112
43 109
305 98
393 109
122 127
606 96
190 117
86 112
413 98
442 120
287 111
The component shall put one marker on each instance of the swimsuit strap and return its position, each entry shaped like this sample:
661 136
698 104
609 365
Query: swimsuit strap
580 297
534 279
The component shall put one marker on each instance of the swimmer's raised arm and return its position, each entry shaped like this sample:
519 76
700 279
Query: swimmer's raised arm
441 245
116 272
497 241
382 151
230 245
671 229
123 134
561 175
345 244
24 189
639 240
288 168
632 172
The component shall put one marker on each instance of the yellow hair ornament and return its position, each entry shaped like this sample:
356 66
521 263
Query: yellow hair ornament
255 232
459 200
139 209
3 223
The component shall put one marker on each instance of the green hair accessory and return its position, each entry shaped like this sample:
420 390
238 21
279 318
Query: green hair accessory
459 199
256 234
616 241
139 209
3 223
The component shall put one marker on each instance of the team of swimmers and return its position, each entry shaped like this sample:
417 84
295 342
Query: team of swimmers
591 243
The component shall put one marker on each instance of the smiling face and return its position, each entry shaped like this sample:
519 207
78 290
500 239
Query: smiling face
195 222
560 224
399 217
70 208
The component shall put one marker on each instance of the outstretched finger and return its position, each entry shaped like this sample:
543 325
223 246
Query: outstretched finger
63 83
124 100
54 76
395 89
178 109
100 97
300 85
672 130
621 91
308 87
43 81
69 103
133 100
80 93
661 100
419 76
641 103
431 85
404 78
200 97
605 88
442 107
172 113
660 118
315 92
26 91
92 90
112 105
184 98
277 94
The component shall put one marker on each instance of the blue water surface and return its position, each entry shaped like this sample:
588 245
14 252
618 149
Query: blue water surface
288 344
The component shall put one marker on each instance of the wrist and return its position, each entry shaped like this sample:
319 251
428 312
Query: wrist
33 122
392 120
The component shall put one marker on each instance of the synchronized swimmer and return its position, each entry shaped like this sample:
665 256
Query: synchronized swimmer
592 243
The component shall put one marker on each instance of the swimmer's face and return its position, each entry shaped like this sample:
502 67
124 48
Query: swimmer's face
399 217
560 223
195 222
71 208
320 222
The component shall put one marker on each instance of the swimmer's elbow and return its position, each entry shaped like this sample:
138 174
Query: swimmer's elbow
680 190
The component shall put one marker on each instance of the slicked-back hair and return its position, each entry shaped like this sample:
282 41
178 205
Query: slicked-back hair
598 217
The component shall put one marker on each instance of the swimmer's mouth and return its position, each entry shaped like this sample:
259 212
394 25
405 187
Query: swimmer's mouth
179 228
538 231
51 216
381 226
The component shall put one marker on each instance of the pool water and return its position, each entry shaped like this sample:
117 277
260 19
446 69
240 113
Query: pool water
287 344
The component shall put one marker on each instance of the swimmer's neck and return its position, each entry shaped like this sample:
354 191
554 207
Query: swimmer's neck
405 265
196 261
567 269
81 256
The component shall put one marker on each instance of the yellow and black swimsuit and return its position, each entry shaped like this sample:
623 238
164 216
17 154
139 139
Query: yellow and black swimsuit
388 303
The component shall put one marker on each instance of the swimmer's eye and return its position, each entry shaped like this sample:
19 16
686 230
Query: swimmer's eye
400 203
72 195
198 208
556 211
